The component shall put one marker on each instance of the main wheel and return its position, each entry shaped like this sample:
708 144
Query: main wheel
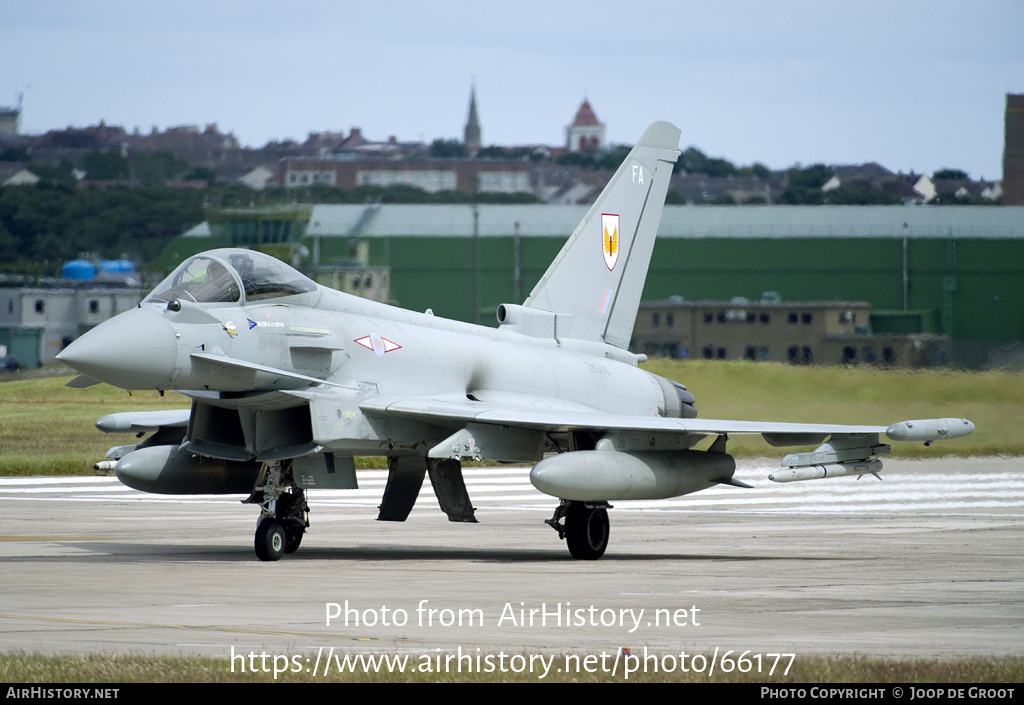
270 540
586 531
293 537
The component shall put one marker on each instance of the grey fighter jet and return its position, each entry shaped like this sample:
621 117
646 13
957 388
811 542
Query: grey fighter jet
290 380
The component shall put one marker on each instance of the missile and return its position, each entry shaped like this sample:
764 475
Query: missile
815 472
604 475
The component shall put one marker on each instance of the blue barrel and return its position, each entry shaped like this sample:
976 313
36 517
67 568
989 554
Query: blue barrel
116 266
78 269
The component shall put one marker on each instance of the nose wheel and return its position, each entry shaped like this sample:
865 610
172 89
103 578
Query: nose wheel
284 514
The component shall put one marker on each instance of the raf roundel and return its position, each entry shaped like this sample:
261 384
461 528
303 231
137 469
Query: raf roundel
377 344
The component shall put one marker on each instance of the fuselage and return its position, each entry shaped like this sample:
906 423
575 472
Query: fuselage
352 349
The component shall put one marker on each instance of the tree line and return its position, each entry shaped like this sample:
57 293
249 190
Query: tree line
53 221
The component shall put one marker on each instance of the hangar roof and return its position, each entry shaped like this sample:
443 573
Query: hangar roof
983 222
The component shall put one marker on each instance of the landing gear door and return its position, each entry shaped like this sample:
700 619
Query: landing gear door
325 471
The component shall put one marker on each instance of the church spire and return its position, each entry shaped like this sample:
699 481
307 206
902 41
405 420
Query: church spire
471 135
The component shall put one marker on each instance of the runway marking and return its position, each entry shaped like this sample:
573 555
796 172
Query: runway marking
152 625
56 538
49 480
508 487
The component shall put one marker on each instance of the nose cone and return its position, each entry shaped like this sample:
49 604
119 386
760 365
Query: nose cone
135 350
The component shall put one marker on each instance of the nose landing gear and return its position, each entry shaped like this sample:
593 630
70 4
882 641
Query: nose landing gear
284 513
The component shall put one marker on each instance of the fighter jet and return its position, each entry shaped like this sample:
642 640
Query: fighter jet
290 380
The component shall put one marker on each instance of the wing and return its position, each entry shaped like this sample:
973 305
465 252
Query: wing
485 428
553 415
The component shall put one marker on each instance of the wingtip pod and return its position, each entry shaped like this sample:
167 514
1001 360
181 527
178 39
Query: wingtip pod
113 423
142 421
929 429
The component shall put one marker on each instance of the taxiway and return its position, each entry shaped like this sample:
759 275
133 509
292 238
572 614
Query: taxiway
926 563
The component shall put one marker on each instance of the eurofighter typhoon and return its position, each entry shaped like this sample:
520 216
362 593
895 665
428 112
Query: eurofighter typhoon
290 380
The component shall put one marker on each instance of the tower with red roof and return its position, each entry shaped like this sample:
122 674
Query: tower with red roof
586 133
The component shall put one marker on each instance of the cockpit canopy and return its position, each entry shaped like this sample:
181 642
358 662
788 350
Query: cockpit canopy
231 276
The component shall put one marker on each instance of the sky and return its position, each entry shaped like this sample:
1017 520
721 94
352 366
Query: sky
912 84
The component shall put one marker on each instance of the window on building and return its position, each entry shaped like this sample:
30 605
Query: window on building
766 318
721 317
849 355
669 320
797 355
793 318
709 317
888 355
720 354
751 317
655 319
868 355
806 317
750 353
94 306
708 353
40 306
766 353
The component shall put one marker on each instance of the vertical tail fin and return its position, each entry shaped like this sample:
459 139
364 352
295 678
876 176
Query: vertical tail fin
595 282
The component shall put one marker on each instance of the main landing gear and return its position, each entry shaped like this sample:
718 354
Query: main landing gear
585 528
284 514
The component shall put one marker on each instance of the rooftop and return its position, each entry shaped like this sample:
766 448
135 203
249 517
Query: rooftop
1006 222
585 116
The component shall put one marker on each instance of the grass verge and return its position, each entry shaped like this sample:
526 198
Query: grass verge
134 668
48 429
754 391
